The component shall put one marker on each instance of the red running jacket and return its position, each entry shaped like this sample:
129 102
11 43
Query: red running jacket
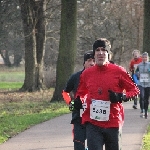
133 62
96 81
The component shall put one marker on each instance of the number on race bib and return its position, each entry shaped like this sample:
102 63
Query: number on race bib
144 77
100 110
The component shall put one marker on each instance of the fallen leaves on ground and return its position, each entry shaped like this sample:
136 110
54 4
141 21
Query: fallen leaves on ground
16 96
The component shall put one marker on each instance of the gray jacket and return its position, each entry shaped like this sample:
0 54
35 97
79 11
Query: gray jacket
143 72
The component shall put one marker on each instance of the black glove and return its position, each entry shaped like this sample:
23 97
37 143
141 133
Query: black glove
75 104
116 97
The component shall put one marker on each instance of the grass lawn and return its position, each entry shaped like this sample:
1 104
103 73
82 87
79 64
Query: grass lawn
17 116
10 85
146 140
12 76
19 111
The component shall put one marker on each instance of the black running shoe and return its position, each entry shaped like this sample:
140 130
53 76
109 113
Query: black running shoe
135 107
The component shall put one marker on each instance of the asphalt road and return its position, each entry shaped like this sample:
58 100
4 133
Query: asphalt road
56 134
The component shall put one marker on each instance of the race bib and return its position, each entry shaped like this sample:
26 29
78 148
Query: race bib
144 77
100 110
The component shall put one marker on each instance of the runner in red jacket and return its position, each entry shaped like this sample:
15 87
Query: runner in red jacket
106 86
135 61
132 67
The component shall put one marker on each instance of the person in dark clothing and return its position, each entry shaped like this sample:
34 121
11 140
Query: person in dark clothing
79 132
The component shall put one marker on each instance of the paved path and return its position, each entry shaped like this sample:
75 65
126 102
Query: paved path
55 134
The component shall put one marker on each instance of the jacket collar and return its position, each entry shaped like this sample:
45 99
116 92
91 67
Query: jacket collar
103 67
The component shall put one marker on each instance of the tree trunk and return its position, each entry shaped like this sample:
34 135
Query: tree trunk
34 31
5 56
146 32
67 46
40 39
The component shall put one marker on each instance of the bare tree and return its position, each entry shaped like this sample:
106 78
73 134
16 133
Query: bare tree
119 21
67 46
11 32
33 17
146 33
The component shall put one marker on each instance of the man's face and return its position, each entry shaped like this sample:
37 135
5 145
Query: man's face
101 56
89 63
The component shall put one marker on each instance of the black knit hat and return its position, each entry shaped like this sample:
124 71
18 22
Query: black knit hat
88 55
102 42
